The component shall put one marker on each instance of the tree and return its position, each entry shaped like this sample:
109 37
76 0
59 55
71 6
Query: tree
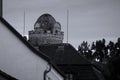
117 47
111 49
84 50
100 50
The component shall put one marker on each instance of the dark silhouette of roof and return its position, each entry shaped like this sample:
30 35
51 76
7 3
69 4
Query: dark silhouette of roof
39 53
63 54
66 57
114 67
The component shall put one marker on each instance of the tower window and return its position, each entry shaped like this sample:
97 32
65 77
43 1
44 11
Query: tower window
56 31
45 31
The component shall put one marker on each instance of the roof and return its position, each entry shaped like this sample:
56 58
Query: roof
63 54
66 57
39 53
103 68
6 76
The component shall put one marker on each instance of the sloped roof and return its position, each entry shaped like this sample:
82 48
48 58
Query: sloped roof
39 53
66 57
63 54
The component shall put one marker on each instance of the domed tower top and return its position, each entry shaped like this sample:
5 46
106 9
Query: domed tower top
46 31
45 22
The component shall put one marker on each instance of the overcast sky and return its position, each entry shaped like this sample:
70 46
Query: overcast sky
89 20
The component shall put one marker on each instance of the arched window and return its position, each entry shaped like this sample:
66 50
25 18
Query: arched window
45 31
56 32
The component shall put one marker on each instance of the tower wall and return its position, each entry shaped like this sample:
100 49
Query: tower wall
37 39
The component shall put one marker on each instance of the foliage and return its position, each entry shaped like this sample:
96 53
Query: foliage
99 51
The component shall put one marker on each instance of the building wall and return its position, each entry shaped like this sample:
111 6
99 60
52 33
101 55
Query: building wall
18 60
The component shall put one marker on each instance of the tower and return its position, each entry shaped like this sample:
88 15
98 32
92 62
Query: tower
46 31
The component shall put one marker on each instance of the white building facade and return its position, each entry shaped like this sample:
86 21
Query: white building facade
20 60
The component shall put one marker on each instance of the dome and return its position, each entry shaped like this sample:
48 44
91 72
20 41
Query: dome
45 22
57 26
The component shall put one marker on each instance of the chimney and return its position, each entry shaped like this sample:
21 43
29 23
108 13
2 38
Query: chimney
1 8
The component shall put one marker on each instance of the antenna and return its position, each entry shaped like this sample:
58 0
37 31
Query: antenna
67 23
24 25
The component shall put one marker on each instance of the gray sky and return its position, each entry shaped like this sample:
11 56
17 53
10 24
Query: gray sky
89 20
